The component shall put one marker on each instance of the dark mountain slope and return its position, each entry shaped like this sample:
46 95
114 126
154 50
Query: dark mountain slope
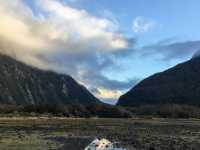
24 85
178 85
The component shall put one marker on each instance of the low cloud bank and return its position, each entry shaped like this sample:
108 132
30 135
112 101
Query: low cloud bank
60 38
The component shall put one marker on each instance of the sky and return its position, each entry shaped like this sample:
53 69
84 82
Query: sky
106 45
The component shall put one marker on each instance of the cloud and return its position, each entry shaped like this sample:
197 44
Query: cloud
196 54
170 50
59 28
104 82
105 94
108 89
142 24
51 35
61 38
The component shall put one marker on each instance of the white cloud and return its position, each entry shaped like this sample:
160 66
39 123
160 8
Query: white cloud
109 94
64 28
59 37
141 24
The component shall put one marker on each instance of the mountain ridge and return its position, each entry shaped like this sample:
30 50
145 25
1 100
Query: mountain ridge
21 84
177 85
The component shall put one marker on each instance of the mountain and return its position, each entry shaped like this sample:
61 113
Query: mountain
178 85
196 54
21 84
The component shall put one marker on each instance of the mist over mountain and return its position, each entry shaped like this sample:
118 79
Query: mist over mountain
21 84
178 85
197 54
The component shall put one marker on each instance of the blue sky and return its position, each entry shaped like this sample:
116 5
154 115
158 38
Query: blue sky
107 45
173 18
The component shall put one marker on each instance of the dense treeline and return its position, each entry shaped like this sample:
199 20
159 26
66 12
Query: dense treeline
75 110
103 111
166 111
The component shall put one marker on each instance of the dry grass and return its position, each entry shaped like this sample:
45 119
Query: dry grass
32 133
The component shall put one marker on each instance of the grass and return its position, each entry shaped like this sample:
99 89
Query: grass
75 134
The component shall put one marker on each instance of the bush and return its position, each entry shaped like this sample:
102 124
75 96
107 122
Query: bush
167 111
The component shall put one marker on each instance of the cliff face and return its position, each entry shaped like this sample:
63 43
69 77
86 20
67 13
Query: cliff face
178 85
24 85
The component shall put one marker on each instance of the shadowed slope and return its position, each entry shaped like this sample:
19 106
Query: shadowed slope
178 85
24 85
